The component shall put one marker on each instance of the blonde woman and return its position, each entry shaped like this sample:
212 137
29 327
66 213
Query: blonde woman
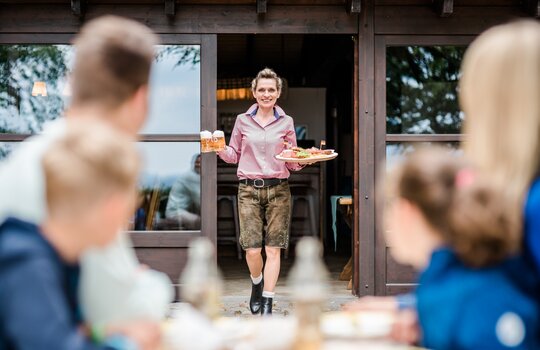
264 198
500 95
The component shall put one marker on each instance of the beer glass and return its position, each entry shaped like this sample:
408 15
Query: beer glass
218 140
206 141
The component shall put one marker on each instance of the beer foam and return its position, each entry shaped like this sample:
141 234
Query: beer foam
218 133
205 134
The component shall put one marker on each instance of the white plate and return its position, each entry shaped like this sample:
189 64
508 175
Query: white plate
321 158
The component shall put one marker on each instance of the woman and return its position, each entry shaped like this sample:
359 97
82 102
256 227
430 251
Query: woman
264 198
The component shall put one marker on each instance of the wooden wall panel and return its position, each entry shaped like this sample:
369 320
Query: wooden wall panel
397 273
456 2
364 185
168 260
56 18
422 20
395 289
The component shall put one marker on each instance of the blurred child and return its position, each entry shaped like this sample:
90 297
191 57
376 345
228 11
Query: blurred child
109 83
90 177
452 225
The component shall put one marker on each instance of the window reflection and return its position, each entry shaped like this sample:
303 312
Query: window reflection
21 67
396 151
421 89
24 69
5 149
175 101
169 187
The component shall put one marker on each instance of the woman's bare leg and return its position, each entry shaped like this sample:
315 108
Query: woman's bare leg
271 269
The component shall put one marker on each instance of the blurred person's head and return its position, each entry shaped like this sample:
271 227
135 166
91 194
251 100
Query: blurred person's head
500 94
434 200
90 181
196 163
266 88
113 56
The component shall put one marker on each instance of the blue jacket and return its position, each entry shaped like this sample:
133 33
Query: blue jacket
461 308
38 307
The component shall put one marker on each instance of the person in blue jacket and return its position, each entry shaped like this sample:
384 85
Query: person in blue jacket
454 226
90 180
502 125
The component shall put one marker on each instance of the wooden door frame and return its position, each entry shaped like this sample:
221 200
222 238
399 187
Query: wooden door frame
381 43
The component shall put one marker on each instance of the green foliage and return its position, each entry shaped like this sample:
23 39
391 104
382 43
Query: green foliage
20 67
421 89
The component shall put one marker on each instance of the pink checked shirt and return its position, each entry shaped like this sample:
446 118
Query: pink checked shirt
254 147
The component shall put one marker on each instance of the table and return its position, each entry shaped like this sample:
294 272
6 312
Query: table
188 329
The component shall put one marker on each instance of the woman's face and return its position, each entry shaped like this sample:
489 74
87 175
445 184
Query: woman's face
266 92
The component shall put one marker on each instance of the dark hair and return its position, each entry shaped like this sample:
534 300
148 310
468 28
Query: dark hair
113 60
469 212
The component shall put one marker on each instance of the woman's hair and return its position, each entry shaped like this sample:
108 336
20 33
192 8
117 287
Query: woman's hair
90 162
500 95
267 73
466 209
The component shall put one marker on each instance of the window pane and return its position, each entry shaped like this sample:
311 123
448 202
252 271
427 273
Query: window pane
6 148
32 85
396 151
175 101
421 89
170 187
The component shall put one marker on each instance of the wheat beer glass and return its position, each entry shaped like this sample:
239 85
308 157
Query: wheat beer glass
206 142
218 140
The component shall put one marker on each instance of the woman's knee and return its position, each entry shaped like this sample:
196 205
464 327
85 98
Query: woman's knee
253 252
272 253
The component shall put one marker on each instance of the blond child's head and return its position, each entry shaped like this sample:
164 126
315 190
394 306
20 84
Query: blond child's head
500 95
90 178
435 199
112 68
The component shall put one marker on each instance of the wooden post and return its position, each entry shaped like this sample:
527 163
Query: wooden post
354 6
261 7
78 7
170 8
444 8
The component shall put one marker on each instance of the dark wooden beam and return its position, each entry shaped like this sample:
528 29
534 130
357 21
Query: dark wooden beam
532 7
444 8
261 7
354 6
170 8
56 18
78 7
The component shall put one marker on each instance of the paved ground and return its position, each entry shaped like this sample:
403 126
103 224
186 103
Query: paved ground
237 287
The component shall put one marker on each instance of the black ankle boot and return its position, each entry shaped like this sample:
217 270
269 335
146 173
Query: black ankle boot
266 307
256 295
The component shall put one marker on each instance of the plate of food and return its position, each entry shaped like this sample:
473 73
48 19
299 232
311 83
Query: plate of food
309 155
